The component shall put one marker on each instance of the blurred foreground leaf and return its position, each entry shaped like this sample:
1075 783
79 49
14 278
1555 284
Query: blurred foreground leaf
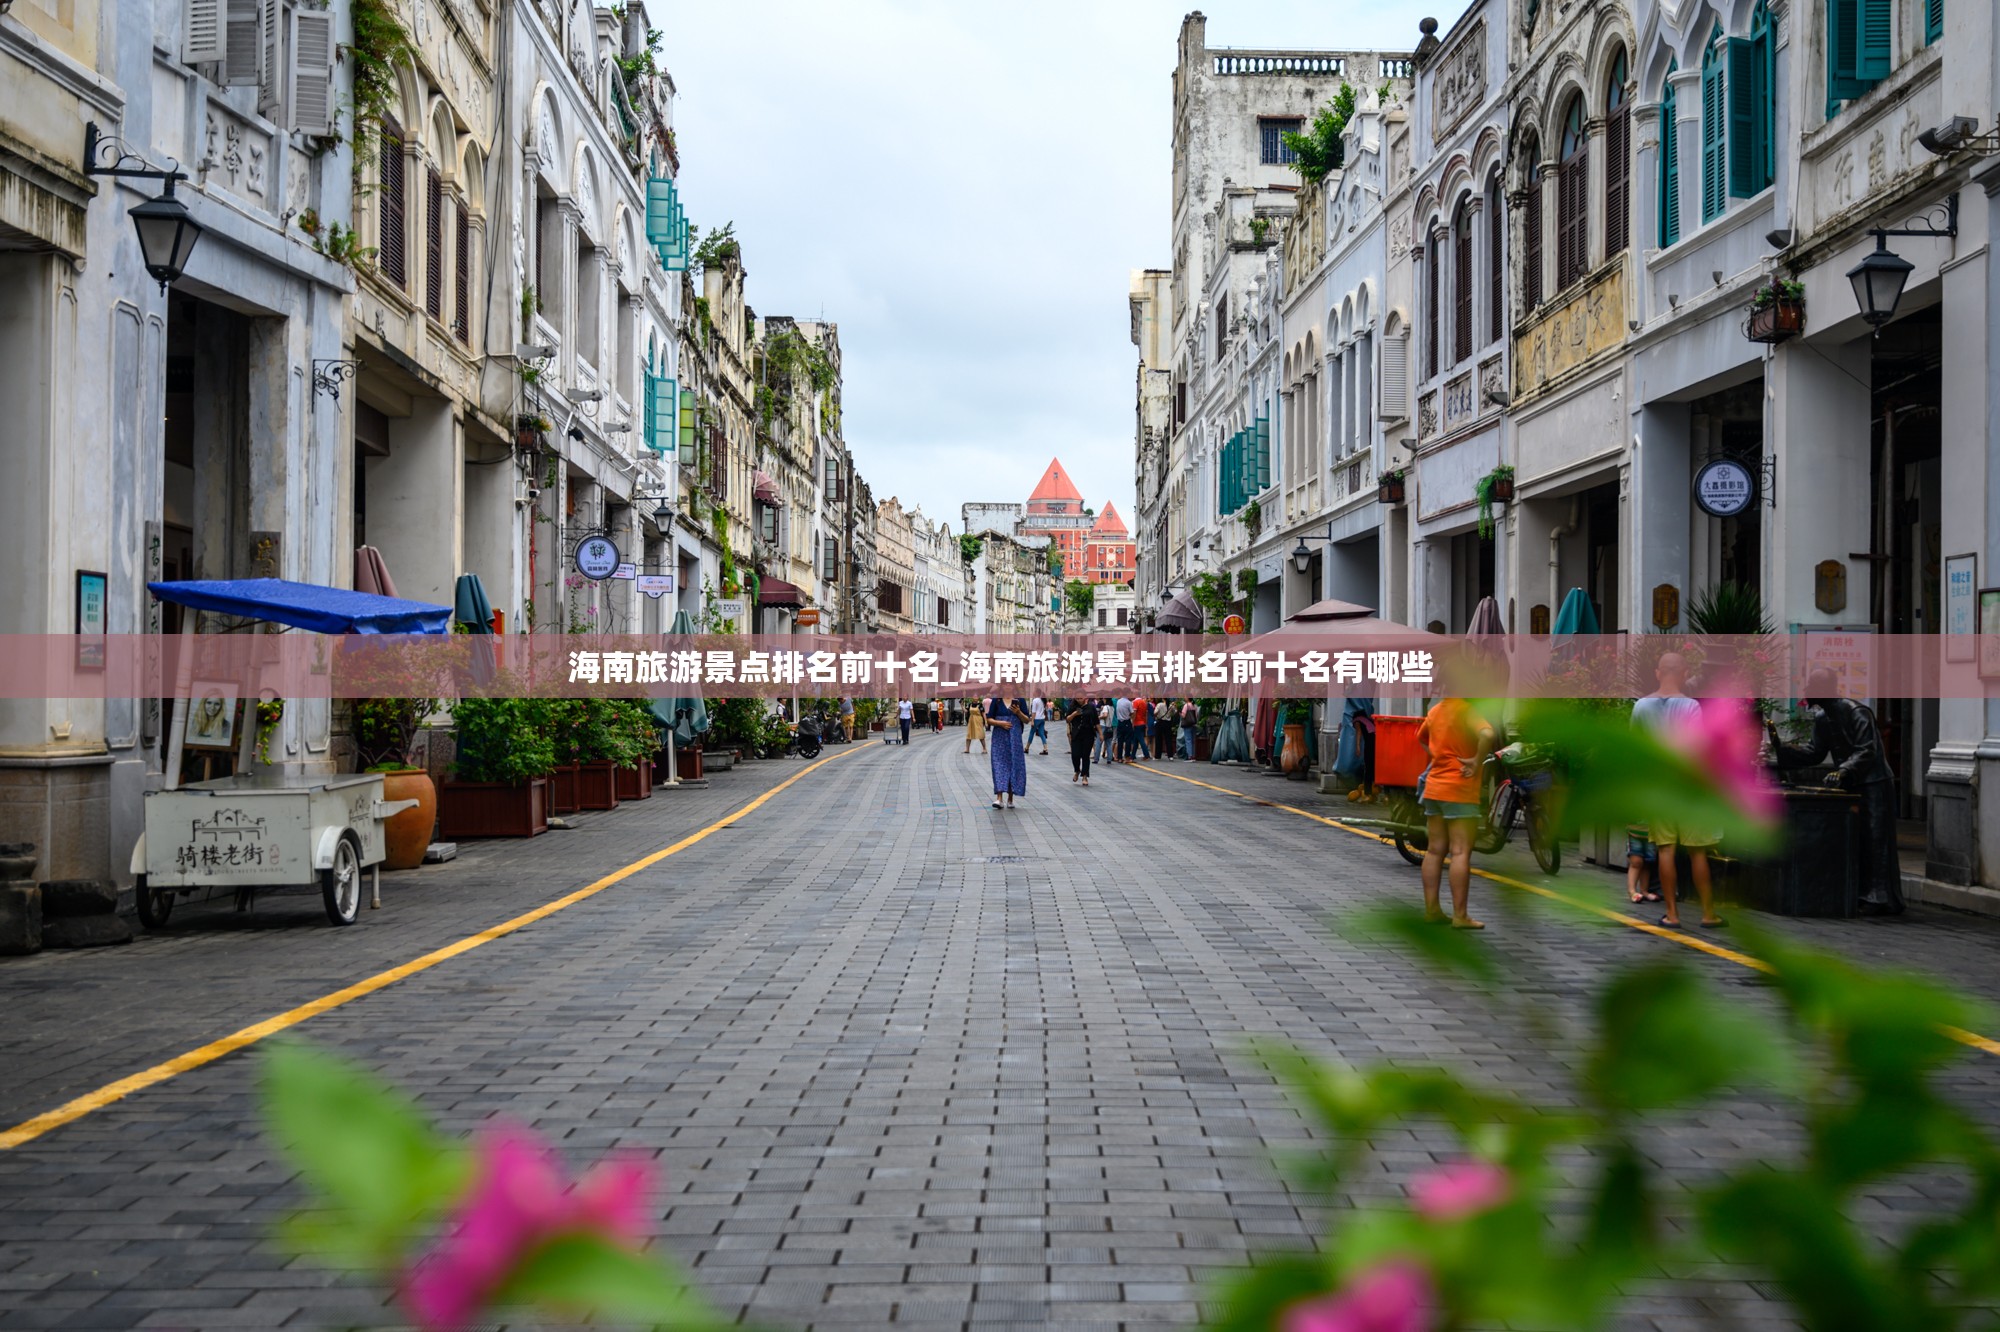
1665 1038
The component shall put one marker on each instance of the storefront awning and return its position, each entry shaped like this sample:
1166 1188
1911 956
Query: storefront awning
778 592
765 490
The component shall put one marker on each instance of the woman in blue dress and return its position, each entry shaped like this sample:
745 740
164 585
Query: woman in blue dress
1008 718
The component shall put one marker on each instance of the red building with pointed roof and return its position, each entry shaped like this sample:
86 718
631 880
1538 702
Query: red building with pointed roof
1094 547
1110 553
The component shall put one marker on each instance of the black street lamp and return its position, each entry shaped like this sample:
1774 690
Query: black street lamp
1302 555
1880 277
1878 282
167 231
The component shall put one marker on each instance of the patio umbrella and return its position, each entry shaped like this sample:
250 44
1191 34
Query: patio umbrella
687 716
1180 614
471 608
371 572
1577 615
1488 639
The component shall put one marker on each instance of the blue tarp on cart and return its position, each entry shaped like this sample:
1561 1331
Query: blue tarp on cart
325 610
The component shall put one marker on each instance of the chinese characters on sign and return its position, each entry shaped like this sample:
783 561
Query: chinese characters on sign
690 666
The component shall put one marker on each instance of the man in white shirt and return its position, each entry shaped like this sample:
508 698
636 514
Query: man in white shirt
1666 711
905 711
1038 709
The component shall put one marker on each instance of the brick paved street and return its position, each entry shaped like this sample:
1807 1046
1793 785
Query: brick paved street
906 1060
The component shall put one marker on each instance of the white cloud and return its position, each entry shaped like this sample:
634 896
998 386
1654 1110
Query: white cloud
965 191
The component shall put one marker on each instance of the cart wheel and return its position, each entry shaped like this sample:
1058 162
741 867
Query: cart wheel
155 905
341 884
1499 823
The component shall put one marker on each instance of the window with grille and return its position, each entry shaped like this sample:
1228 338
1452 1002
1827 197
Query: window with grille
434 243
889 596
1617 161
461 318
391 205
1272 134
1573 198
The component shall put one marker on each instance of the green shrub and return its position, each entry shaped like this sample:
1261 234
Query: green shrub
503 739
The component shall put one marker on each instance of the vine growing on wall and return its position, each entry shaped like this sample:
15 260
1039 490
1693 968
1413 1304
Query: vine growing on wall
334 241
381 42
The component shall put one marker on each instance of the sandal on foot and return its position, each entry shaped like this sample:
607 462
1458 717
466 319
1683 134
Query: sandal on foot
1666 924
1717 924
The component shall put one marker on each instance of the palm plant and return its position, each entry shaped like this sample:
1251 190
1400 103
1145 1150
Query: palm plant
1728 608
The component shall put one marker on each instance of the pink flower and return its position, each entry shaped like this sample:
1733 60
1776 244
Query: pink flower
1725 741
1454 1192
1395 1297
519 1200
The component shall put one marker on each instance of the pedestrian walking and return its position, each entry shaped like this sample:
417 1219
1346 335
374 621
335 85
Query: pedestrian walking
1190 719
1458 741
975 729
1163 728
1123 713
1142 711
847 718
1664 711
937 717
1082 739
1106 734
1038 709
1845 734
905 714
1009 719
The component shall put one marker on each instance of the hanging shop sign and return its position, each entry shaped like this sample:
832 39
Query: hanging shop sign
806 618
626 571
597 557
1234 625
656 585
1725 487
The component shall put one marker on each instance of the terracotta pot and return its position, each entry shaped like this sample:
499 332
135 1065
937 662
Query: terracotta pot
562 790
494 809
1293 757
597 785
636 783
407 836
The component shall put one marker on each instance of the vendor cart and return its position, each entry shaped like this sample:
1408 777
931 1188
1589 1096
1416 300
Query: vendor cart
271 827
259 831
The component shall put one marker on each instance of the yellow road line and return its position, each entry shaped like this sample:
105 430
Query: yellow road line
1681 937
74 1110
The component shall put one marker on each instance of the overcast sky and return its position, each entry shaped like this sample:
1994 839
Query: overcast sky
965 190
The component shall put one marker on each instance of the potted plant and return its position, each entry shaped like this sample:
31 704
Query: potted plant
600 750
1390 489
385 735
1777 311
1497 486
634 723
564 718
500 785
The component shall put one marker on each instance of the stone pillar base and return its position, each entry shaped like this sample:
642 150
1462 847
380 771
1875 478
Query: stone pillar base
63 806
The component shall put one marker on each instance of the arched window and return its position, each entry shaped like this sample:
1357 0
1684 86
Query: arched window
1753 109
1531 227
1573 197
1617 160
1496 249
1461 282
1668 228
393 166
1714 127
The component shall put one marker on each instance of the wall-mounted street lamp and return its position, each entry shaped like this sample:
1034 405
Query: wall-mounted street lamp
1302 555
167 232
1879 278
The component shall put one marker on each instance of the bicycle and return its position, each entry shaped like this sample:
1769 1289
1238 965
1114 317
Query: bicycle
1516 783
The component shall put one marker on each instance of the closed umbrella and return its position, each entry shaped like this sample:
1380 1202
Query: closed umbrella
1488 639
471 607
686 716
1577 615
371 572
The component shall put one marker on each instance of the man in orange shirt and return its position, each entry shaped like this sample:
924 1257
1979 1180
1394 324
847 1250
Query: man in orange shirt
1141 711
1458 741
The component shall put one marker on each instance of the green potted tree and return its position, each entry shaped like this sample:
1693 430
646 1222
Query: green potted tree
600 750
565 719
385 734
500 777
641 736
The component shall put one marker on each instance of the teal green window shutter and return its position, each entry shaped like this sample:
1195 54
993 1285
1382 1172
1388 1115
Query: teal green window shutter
648 425
660 437
1714 133
659 208
1669 229
1741 132
1263 452
1843 24
1874 39
1933 20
